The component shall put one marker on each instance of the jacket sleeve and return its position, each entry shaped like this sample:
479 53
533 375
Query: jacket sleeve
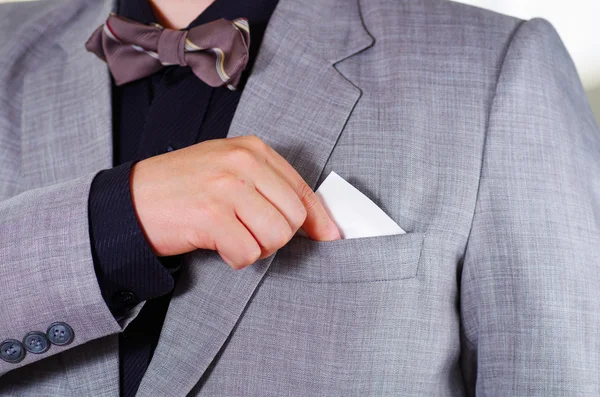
47 272
530 281
46 268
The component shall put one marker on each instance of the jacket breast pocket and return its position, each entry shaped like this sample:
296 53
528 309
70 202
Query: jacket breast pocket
356 260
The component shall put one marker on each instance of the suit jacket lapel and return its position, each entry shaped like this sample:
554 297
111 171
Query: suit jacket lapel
298 103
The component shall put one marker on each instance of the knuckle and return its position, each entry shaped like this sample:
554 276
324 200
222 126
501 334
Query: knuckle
242 155
255 142
327 221
257 146
228 181
298 217
202 218
207 211
200 238
309 199
251 255
286 235
279 239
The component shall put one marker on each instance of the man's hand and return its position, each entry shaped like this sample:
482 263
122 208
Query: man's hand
237 196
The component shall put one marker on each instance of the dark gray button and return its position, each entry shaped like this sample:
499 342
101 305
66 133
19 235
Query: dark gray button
60 334
124 298
36 342
12 351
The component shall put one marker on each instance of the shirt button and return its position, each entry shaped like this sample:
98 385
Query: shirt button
60 334
36 342
124 298
12 351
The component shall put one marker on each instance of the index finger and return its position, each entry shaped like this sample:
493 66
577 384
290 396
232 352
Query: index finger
318 224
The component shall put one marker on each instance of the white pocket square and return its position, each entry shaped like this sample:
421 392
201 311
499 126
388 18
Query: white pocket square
354 213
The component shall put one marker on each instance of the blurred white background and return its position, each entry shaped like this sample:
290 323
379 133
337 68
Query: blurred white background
577 22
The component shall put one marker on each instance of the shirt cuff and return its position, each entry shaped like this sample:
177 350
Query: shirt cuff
127 269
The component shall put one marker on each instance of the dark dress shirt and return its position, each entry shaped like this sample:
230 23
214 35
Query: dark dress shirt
167 111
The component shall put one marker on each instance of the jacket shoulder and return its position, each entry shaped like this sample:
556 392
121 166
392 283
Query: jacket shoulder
438 21
473 15
15 15
440 31
19 20
457 13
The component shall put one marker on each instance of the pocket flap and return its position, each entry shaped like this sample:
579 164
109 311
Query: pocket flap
352 260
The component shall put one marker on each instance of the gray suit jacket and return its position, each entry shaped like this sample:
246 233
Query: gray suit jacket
469 128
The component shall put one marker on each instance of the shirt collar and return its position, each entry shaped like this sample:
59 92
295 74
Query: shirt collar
137 10
257 12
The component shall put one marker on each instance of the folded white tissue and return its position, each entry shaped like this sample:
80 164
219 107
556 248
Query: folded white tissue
354 213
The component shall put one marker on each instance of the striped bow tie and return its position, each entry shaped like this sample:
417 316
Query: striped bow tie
217 52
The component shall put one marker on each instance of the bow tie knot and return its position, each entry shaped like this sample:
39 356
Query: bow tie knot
217 52
171 47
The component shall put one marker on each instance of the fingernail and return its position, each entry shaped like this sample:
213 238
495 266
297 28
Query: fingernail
228 261
336 232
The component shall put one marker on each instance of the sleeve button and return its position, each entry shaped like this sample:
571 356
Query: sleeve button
12 351
36 342
60 334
